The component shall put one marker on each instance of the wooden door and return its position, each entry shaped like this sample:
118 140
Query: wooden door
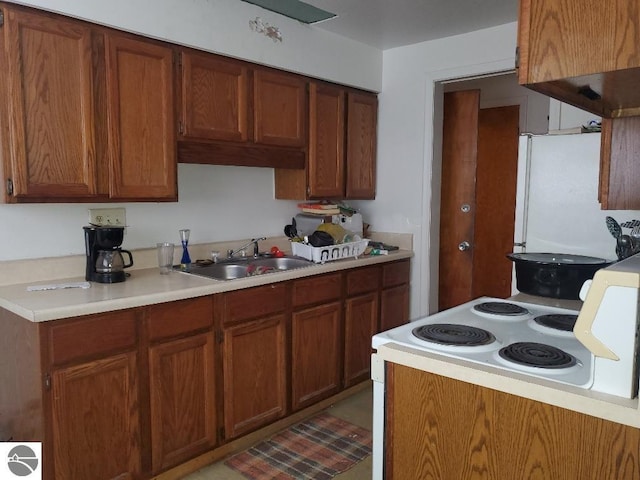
96 429
181 382
479 171
362 124
141 125
48 106
458 202
326 141
280 109
496 178
315 352
255 384
214 97
360 324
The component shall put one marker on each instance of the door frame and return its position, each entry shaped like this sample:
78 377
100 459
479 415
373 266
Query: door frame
432 171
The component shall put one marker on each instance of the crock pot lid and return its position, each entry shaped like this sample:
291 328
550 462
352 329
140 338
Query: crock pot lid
558 258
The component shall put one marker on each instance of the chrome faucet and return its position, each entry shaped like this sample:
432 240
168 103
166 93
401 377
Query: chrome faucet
256 251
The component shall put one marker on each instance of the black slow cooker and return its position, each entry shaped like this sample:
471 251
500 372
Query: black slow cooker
554 275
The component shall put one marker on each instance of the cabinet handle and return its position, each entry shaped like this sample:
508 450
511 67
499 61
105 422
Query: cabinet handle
463 246
47 381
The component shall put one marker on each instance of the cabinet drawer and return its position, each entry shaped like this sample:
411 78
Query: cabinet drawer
363 280
316 290
254 302
176 318
91 336
396 273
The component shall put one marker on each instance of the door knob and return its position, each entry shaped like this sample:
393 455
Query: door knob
463 246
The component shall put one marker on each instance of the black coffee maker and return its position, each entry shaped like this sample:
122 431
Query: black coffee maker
105 263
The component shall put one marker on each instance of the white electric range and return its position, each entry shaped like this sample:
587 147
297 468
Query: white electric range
507 335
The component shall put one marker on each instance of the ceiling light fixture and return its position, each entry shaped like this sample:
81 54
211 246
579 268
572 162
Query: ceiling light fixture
295 9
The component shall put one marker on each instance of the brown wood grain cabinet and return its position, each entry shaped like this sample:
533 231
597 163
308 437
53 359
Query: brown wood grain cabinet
134 392
93 395
141 128
227 113
572 49
48 127
87 112
438 427
254 334
394 296
360 322
182 381
341 147
316 333
362 125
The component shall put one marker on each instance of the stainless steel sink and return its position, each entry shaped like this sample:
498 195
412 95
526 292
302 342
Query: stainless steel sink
247 267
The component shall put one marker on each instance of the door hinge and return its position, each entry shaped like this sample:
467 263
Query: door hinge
517 57
1 18
180 127
47 381
9 186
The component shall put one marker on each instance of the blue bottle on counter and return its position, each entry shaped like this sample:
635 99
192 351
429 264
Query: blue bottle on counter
185 261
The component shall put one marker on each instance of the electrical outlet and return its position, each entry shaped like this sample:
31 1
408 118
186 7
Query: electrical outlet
112 217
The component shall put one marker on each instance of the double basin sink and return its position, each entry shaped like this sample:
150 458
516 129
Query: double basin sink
234 268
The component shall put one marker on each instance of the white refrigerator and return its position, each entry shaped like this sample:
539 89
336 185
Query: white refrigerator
557 208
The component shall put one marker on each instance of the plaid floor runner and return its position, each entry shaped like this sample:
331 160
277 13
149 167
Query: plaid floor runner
317 449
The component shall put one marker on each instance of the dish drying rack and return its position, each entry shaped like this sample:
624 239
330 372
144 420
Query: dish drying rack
331 252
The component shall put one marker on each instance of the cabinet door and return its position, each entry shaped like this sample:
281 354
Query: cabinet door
315 369
141 129
96 429
619 170
182 399
49 107
255 385
394 307
326 141
360 324
362 120
280 109
214 98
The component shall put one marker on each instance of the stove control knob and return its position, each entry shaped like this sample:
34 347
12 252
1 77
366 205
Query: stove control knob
464 246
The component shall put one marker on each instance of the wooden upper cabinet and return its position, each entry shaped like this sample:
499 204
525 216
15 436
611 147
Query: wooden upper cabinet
577 50
342 147
280 109
141 130
48 106
214 97
326 141
362 121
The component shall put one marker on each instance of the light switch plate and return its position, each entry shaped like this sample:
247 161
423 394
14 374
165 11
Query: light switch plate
112 217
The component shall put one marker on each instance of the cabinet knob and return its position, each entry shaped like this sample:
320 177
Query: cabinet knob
464 246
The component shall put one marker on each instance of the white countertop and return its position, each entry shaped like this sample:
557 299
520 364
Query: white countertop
600 405
147 286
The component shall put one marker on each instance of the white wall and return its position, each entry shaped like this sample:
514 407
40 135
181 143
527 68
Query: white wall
406 201
217 203
222 26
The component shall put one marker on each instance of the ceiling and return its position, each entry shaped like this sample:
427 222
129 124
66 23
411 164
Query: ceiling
387 24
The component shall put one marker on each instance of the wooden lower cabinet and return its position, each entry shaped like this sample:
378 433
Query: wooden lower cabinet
315 352
255 386
436 427
96 428
361 323
181 385
394 307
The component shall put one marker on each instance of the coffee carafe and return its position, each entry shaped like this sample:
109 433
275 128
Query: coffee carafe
105 262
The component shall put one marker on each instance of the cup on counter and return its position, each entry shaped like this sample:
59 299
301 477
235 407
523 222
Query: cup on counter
165 257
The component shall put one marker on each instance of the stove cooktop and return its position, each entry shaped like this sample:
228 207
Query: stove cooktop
519 337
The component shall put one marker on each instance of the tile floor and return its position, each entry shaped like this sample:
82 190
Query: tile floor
356 409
